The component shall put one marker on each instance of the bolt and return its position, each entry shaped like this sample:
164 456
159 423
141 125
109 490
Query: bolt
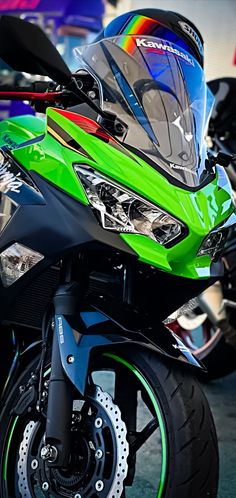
91 94
99 454
34 464
77 495
99 485
77 417
70 359
49 453
45 452
98 423
45 486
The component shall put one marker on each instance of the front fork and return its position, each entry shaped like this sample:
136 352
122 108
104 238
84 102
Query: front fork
69 371
71 354
60 396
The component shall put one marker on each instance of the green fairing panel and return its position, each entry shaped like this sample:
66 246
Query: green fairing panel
200 211
14 131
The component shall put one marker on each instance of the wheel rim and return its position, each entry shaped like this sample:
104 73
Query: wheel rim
159 493
159 417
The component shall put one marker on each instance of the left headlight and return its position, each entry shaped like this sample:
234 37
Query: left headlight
122 211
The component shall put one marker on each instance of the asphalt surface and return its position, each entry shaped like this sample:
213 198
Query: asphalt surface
222 397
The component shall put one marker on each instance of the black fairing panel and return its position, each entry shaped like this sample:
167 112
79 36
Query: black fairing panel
55 229
62 226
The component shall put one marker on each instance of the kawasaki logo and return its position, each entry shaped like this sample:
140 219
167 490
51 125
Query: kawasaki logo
143 42
182 168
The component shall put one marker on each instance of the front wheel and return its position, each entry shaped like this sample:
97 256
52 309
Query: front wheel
144 430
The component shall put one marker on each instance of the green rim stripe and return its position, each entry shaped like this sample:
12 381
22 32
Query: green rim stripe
159 417
158 413
8 448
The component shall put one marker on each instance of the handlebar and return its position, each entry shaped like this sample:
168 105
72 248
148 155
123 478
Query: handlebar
37 91
43 94
32 96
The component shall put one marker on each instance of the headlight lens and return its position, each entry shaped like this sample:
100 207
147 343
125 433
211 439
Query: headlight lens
15 261
214 244
122 211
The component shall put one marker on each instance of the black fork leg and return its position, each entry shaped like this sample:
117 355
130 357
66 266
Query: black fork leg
59 412
126 398
60 398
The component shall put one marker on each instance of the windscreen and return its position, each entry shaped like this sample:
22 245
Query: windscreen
159 91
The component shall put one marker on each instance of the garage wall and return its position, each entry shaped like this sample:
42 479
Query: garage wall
216 19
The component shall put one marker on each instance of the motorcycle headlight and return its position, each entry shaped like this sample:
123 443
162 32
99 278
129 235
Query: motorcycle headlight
15 261
122 211
214 245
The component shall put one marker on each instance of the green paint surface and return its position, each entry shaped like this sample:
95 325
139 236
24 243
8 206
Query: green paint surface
200 211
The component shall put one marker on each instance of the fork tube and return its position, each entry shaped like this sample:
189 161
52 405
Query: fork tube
59 411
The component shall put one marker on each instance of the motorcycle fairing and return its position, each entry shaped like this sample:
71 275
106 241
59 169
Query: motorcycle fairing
201 211
82 346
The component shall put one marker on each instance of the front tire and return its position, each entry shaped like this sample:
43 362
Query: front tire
187 466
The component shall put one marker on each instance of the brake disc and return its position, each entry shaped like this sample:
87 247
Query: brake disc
110 416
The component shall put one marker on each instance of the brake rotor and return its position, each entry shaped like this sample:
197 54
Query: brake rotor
99 454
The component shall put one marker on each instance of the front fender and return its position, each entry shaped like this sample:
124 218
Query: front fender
100 333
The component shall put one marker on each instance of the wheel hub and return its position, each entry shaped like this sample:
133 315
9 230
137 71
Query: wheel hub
98 464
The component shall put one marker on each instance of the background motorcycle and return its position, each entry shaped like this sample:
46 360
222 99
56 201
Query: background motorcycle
209 327
62 434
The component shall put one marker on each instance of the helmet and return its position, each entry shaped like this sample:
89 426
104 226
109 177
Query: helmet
164 24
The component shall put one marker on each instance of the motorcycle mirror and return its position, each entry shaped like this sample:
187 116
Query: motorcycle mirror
26 48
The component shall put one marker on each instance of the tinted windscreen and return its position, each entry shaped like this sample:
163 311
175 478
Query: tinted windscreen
159 91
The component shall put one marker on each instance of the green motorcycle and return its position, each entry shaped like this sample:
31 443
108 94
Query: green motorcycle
112 217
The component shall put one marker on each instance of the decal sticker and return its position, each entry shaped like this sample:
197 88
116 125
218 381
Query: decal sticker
181 348
60 330
190 32
183 168
162 48
8 181
10 143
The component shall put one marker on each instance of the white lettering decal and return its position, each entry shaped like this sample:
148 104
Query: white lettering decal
182 168
60 330
143 42
8 181
190 32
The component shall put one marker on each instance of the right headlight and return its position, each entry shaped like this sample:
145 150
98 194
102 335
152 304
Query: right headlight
214 244
120 210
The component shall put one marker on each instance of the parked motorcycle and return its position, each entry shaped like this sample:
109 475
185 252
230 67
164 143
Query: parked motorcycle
112 216
209 327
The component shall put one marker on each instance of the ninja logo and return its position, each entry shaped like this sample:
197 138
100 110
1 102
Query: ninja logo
8 181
